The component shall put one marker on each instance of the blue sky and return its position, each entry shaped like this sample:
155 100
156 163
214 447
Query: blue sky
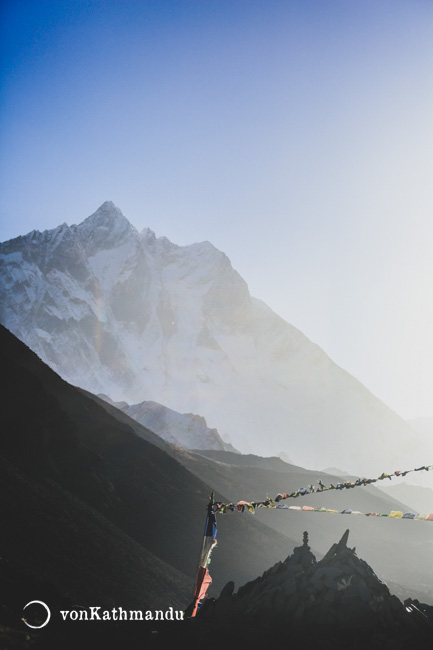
296 136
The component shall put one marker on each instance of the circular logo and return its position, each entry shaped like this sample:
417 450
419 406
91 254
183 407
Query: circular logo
38 602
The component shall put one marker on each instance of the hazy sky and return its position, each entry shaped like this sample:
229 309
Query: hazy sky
296 136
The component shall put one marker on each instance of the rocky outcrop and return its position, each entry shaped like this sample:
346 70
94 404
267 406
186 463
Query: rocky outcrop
339 595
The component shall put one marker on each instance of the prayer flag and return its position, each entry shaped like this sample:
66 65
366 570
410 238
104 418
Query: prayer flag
209 542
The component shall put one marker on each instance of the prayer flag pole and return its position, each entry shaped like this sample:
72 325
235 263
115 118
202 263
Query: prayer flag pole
203 579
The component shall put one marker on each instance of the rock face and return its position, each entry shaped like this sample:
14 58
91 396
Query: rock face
340 593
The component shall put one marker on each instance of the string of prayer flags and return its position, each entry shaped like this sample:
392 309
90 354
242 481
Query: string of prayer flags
312 489
394 514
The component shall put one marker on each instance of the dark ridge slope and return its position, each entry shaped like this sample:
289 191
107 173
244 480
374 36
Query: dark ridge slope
85 495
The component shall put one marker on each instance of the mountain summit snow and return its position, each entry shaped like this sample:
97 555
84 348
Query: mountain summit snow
139 318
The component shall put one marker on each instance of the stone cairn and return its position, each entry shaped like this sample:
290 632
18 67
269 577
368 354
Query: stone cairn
341 592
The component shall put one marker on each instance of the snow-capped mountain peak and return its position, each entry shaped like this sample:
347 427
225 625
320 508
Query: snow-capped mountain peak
107 228
138 318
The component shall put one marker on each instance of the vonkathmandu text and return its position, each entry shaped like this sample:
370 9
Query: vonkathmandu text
120 614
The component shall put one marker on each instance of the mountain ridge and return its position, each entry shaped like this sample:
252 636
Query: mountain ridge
187 430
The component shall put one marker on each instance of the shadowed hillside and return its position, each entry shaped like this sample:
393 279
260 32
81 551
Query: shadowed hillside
95 512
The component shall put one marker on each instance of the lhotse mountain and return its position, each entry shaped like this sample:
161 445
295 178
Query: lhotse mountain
138 318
